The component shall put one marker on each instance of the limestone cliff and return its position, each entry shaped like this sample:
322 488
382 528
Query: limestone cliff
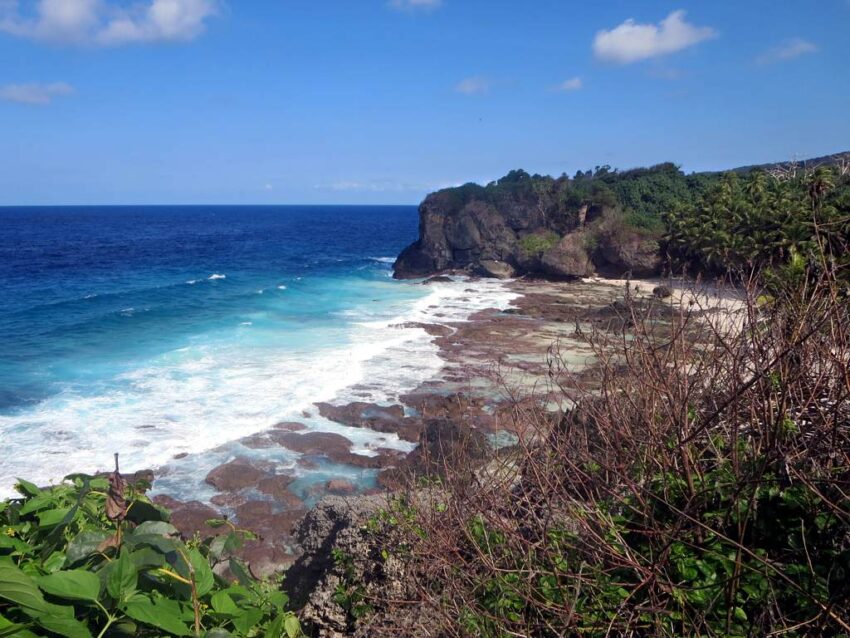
558 228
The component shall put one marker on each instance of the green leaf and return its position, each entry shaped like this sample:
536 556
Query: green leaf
20 589
145 558
26 488
204 579
51 518
222 603
8 628
36 503
157 541
218 632
237 567
740 614
278 599
157 614
140 511
246 621
275 628
69 627
160 528
84 545
123 576
292 626
76 584
215 522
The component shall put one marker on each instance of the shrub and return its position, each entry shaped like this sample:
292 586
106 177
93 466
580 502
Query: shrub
700 486
94 557
536 245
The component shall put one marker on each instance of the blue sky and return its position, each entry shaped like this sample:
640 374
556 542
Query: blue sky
381 101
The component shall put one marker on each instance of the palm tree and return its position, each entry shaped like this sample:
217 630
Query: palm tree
818 185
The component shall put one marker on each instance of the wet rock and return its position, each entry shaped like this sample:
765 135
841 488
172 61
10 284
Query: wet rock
290 426
437 279
495 268
376 417
190 517
327 444
277 487
233 476
340 487
250 511
433 329
360 414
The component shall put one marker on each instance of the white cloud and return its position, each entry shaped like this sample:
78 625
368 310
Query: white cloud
788 50
473 86
573 84
632 42
425 5
34 93
107 22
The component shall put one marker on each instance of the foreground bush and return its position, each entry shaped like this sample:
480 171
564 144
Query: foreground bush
94 557
701 487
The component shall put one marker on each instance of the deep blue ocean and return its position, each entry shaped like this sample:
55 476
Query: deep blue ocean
163 332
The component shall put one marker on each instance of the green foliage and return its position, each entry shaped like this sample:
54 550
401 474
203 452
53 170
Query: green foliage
349 594
643 195
710 221
759 221
536 245
66 569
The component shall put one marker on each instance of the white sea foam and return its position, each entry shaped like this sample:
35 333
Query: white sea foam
192 282
201 398
215 276
383 260
281 287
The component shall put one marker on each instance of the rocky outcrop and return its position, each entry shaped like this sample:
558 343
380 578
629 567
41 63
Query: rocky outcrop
339 554
496 232
623 252
495 268
568 258
451 237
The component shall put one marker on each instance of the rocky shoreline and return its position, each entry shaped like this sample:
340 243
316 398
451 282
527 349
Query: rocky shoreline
488 361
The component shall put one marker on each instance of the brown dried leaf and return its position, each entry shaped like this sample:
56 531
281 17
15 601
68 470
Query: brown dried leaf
116 504
112 541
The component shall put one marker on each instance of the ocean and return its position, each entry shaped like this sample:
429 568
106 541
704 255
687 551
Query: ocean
164 332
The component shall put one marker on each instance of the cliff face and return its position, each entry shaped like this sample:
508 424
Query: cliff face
525 225
601 221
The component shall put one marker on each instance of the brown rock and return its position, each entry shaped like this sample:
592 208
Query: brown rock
495 268
340 487
437 279
235 475
290 426
568 258
275 486
190 517
327 444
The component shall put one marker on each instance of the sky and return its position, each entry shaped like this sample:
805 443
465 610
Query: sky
382 101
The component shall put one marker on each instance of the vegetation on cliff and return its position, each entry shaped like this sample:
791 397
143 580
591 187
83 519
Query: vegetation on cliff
94 557
639 221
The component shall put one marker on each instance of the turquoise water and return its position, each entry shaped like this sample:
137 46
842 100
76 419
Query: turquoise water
167 331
